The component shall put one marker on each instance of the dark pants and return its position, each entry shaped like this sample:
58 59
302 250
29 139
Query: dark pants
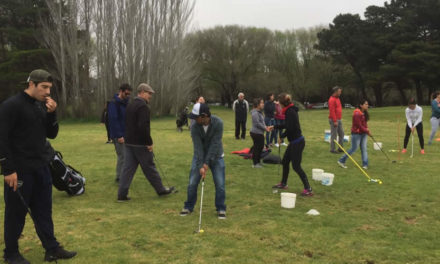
294 154
37 193
108 130
135 156
419 128
238 124
257 147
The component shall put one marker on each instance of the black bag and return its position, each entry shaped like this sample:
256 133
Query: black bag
66 178
272 159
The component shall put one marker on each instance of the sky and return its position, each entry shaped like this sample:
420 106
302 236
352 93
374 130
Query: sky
275 14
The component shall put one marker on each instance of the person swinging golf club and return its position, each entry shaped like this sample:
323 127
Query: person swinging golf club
359 133
27 119
206 136
414 114
293 153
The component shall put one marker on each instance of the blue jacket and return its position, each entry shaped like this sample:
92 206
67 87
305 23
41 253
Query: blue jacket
435 109
116 116
207 146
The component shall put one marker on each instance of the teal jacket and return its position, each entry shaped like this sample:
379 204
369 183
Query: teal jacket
207 146
435 109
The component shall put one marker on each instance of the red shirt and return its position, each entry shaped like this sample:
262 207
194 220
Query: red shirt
335 108
359 125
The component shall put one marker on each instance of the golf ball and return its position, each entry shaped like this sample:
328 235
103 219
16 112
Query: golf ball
380 182
201 230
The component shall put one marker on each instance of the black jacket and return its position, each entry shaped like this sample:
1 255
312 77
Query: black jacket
137 123
292 126
241 109
269 109
24 127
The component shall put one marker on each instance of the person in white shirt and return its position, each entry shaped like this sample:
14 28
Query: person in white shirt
414 114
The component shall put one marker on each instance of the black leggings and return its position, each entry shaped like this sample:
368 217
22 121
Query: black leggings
257 148
419 128
294 154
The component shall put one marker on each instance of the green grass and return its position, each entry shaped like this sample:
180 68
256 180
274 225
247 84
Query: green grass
360 222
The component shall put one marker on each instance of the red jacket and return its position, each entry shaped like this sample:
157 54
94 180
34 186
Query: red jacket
359 125
335 108
279 115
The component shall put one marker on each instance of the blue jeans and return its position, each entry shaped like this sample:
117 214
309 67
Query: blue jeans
356 141
218 174
279 131
270 136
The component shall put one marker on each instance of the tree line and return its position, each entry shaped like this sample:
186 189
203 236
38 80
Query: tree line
91 47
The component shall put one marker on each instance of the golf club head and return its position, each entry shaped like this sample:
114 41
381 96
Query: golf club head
201 231
376 181
393 161
19 183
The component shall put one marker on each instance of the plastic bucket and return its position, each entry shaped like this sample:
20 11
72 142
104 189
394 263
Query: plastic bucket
288 200
327 179
317 174
377 145
327 135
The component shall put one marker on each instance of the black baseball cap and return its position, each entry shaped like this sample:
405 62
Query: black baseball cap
40 75
199 110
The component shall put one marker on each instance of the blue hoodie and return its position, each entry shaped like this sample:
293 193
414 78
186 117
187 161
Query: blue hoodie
116 116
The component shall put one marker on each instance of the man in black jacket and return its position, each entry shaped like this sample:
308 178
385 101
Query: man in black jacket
139 145
26 120
241 109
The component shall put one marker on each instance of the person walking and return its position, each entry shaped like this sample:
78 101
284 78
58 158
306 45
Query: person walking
241 108
293 153
257 131
269 119
116 118
207 136
359 133
335 119
435 117
27 119
414 114
139 145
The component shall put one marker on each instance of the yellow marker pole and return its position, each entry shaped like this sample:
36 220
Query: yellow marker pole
363 171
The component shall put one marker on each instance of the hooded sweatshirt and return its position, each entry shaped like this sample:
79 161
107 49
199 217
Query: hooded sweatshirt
258 126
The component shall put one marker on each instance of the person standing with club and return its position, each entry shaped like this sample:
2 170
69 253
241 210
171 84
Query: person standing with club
116 118
359 133
269 119
414 114
139 145
435 117
257 131
294 151
335 119
241 109
207 136
27 119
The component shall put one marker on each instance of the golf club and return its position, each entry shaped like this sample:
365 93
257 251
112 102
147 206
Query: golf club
386 155
360 168
200 230
163 174
412 145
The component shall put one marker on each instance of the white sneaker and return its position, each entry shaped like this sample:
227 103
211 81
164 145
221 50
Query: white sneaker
342 165
257 166
283 144
277 145
365 167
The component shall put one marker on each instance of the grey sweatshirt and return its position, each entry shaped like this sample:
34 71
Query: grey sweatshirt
258 126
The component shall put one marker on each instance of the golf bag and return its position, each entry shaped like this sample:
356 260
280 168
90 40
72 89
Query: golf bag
272 159
182 119
66 178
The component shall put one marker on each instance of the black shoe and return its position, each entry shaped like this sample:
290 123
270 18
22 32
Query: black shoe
167 191
16 259
340 150
333 151
123 199
58 253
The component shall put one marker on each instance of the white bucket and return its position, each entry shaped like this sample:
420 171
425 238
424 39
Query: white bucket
327 135
317 174
377 145
327 179
288 200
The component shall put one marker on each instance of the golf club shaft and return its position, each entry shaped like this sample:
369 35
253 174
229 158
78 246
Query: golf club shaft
161 171
201 205
412 145
380 148
360 168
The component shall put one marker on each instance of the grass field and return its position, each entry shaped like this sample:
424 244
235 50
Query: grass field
360 222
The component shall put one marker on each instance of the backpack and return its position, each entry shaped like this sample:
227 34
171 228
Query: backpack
272 159
65 177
